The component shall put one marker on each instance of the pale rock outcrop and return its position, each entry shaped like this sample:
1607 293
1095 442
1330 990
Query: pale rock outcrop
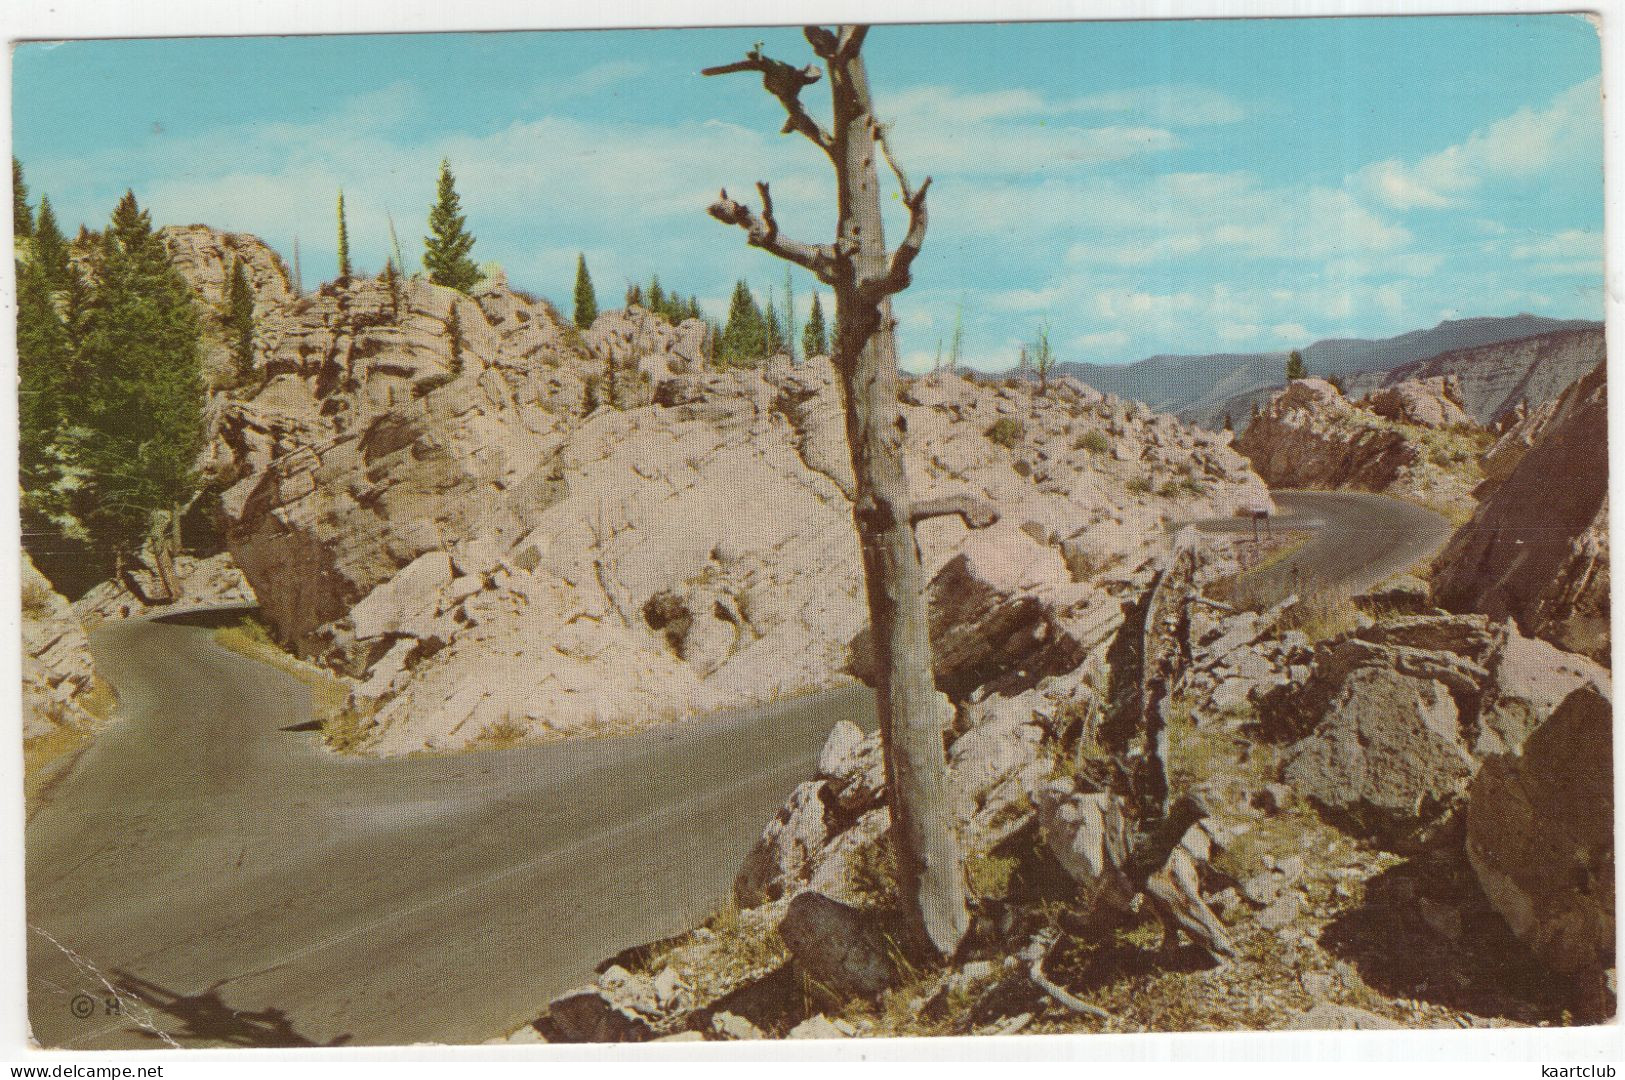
57 667
1395 720
212 582
1537 548
660 560
1410 439
1429 403
1540 836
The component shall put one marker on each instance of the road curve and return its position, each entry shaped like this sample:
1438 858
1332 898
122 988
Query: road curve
254 890
1357 540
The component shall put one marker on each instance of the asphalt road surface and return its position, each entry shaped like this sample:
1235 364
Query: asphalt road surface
237 886
241 887
1357 540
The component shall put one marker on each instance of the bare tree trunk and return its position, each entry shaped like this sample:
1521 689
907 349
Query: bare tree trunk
864 276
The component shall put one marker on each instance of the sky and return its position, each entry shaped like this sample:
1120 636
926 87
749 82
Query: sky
1134 188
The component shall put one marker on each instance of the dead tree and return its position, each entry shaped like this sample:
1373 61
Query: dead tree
864 276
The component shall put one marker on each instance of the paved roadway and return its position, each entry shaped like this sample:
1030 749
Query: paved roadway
1357 540
252 890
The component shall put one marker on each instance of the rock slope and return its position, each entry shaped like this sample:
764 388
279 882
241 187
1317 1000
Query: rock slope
57 670
1412 439
1537 548
430 493
1496 380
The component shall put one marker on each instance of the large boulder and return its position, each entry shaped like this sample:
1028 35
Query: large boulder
1428 403
1395 719
839 947
1540 835
1536 549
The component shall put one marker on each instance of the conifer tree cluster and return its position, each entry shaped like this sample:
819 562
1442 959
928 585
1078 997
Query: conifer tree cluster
668 304
754 333
110 395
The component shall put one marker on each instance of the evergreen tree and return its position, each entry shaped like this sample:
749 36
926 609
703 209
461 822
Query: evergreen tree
634 296
50 249
656 296
744 337
586 298
344 240
22 218
814 336
240 320
1295 367
693 311
143 395
298 281
447 247
1229 423
956 346
772 332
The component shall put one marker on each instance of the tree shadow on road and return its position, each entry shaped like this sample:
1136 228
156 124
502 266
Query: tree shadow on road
206 1018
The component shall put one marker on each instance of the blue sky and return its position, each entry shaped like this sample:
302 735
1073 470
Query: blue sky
1144 187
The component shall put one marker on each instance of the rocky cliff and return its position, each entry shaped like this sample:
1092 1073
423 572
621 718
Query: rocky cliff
58 674
431 493
1413 439
1493 381
1537 548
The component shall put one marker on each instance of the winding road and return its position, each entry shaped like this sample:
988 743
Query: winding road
238 886
1356 540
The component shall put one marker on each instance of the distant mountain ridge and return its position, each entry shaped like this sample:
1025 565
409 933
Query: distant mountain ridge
1202 388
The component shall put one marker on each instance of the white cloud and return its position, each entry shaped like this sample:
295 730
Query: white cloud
1171 105
1570 243
1289 331
1524 144
1105 339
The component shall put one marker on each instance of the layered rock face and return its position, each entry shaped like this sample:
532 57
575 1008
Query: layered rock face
57 669
423 500
1393 721
1541 840
205 256
1495 380
1413 438
1537 548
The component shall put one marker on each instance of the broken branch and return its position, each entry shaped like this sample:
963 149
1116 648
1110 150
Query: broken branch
763 232
785 82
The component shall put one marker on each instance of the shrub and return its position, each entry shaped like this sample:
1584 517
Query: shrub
1094 440
1184 486
1138 484
1006 432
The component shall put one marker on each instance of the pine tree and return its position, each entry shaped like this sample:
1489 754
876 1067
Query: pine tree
586 298
143 394
957 344
50 249
447 247
298 281
1295 367
744 337
656 296
22 218
772 332
344 241
634 296
240 320
1229 423
814 336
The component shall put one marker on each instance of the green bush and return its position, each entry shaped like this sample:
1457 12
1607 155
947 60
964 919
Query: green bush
1139 485
1006 432
1094 440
